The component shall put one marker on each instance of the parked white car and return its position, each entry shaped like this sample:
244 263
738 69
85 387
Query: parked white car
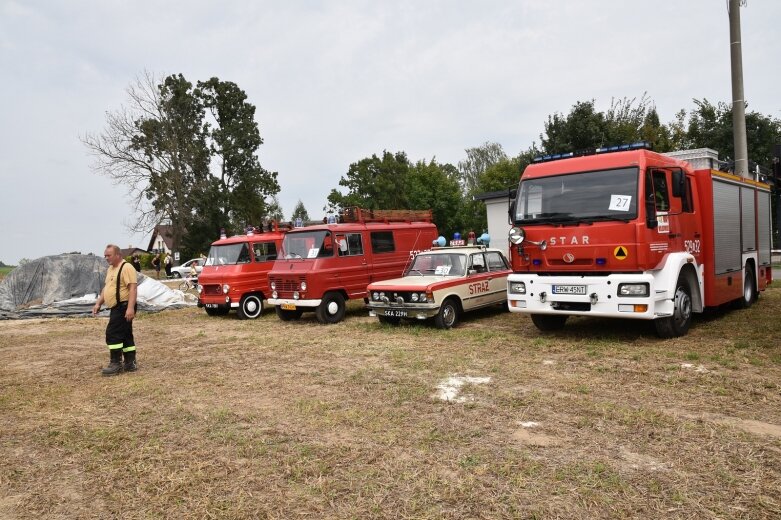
183 271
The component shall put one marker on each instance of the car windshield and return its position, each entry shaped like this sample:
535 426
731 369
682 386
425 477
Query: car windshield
308 244
578 197
452 264
229 254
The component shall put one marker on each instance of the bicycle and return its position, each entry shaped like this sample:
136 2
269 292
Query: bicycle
188 284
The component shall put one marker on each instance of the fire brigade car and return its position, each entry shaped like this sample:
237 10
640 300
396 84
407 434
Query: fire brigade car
442 284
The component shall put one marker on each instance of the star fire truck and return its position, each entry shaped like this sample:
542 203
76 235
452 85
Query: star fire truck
624 232
235 275
322 266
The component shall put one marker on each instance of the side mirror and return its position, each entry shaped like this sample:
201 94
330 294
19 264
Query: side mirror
470 272
679 183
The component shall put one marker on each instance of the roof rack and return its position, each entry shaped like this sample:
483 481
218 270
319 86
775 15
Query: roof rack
360 215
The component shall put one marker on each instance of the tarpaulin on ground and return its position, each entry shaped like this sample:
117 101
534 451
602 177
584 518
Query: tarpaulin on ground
68 285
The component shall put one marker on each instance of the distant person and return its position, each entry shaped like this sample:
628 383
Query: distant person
156 264
119 294
168 264
136 263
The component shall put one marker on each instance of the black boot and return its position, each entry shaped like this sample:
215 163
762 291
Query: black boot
115 364
130 361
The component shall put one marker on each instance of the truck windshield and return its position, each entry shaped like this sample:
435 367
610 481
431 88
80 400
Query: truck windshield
229 254
578 197
438 265
308 244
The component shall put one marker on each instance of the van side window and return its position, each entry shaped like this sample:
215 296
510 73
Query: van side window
382 242
354 244
243 255
496 261
264 251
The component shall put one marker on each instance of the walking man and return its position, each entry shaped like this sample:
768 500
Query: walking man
119 295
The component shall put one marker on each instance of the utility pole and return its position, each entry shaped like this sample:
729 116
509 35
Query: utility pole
738 99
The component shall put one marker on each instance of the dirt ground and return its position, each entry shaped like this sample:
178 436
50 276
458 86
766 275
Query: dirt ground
265 419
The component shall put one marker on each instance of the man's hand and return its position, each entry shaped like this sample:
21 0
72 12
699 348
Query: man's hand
96 309
130 313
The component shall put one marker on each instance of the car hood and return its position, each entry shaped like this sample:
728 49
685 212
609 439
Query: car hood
410 282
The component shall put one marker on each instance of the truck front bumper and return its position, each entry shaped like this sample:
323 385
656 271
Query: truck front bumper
293 302
589 296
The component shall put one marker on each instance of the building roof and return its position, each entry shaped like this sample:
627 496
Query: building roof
501 194
130 251
164 231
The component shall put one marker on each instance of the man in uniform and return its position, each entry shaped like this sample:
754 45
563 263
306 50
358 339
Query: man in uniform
119 295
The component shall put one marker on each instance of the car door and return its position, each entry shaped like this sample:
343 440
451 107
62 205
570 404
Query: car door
497 283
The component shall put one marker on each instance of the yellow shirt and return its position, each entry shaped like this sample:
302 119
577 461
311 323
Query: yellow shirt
110 290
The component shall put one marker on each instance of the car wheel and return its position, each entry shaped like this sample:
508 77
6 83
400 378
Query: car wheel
288 315
250 307
177 274
331 309
447 317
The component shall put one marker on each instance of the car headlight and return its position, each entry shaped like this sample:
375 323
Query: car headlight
226 288
422 297
375 296
382 295
273 286
303 286
517 235
414 297
199 288
633 289
517 288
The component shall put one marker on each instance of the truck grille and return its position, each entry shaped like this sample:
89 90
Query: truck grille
286 284
212 290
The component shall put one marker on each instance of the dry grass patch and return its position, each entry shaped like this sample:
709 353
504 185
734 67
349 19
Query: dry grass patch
265 419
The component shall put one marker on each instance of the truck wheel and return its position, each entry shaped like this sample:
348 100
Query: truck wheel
219 311
331 309
677 324
288 315
749 289
548 323
390 320
250 307
447 316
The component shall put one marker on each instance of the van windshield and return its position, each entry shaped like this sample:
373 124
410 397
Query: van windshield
578 197
229 254
308 244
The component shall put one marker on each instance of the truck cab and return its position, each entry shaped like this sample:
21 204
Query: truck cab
235 274
321 267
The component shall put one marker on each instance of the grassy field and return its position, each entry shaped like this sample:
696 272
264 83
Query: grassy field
265 419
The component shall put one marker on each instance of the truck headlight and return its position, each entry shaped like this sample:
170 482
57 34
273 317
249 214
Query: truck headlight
633 289
516 235
303 286
226 288
517 288
273 286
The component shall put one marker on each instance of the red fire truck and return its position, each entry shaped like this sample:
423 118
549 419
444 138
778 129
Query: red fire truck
235 275
322 266
629 233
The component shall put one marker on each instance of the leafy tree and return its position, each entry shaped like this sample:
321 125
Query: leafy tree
479 159
374 183
274 210
435 186
581 129
300 212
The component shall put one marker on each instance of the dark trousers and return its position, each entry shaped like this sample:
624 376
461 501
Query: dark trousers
119 332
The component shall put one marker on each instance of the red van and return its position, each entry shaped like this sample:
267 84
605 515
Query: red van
235 275
322 266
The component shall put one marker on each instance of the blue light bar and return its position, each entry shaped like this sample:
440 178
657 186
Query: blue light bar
640 145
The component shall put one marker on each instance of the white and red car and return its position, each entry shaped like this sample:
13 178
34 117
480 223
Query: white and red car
442 284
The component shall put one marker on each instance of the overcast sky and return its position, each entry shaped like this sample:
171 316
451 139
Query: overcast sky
336 81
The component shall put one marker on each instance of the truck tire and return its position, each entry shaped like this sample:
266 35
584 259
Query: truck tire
250 307
548 322
390 320
447 317
749 289
331 309
677 324
288 315
219 311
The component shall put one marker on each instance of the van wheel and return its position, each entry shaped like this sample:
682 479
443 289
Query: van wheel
447 317
250 307
749 289
288 315
548 323
677 324
331 309
390 320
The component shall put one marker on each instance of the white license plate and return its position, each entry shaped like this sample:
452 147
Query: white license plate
568 289
212 306
288 306
395 313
